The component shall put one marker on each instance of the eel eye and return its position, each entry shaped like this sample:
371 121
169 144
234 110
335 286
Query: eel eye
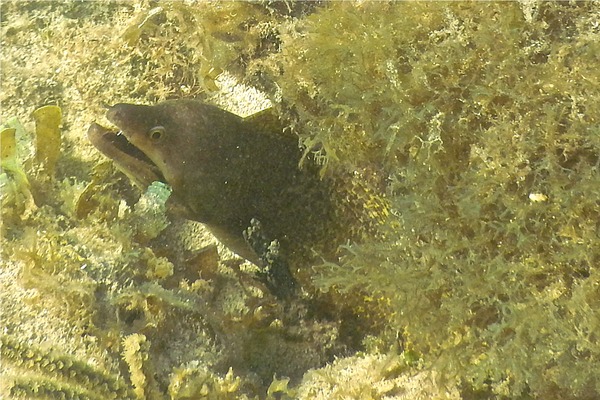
156 133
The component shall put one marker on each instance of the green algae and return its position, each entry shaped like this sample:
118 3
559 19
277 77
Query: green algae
491 149
16 196
48 137
487 266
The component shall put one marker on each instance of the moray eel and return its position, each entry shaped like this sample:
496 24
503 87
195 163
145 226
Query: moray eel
224 170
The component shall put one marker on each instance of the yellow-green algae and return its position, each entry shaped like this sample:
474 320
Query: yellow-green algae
48 138
15 193
484 117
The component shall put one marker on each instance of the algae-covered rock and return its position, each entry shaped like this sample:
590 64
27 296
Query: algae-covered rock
467 131
372 376
484 118
150 210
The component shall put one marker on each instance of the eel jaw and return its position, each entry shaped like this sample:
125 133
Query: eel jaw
128 158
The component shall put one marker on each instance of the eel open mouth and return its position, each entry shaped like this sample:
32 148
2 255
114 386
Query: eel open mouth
128 158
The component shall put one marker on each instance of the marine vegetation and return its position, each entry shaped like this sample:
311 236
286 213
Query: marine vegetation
463 138
485 117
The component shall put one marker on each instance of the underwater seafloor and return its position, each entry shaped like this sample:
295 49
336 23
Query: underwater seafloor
483 281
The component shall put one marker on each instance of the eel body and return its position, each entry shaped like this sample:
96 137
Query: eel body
225 171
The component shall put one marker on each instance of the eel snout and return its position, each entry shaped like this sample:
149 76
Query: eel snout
130 118
126 156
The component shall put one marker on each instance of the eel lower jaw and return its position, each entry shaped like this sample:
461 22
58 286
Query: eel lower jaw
128 158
